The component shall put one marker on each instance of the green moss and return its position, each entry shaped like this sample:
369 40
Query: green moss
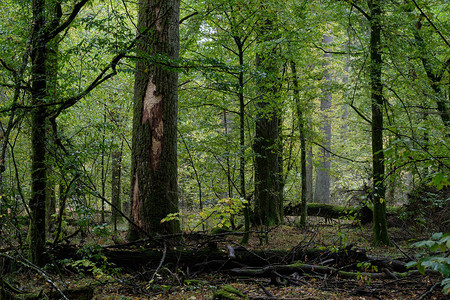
228 292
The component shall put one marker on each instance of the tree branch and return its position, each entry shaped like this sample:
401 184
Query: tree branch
76 9
353 4
431 23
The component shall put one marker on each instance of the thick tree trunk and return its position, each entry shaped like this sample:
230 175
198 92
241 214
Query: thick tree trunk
154 146
379 203
322 189
268 179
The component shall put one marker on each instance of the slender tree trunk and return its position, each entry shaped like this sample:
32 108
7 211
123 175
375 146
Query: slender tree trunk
154 146
50 203
115 186
52 91
301 128
379 203
226 122
103 168
240 46
309 171
322 190
268 181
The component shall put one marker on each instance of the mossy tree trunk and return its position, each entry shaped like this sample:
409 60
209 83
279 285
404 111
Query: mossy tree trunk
154 146
52 91
39 95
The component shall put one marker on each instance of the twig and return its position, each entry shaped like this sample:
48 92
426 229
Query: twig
269 294
160 262
30 265
400 249
430 290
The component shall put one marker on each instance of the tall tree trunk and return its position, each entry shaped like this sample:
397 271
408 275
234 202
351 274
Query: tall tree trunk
322 189
115 186
154 145
379 203
301 128
309 170
38 135
240 45
52 91
103 168
268 179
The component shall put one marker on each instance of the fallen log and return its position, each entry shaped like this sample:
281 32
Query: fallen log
331 211
215 259
311 269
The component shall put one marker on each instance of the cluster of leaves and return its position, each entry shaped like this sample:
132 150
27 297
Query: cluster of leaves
94 262
220 216
434 257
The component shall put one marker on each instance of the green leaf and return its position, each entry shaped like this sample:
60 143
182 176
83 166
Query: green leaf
421 268
411 264
446 286
436 236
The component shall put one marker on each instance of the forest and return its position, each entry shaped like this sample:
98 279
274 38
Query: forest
212 149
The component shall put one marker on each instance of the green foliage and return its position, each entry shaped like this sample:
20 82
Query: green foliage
365 267
101 230
94 262
220 216
435 258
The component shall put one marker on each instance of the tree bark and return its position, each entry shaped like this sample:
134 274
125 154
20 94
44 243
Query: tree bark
301 128
38 135
378 195
322 189
240 45
52 91
268 179
115 186
154 146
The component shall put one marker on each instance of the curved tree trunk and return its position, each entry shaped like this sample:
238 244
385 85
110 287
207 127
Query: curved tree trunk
154 147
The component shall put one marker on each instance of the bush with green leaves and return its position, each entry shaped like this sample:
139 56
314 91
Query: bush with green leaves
434 257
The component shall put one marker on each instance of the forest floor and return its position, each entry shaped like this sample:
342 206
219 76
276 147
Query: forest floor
81 279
